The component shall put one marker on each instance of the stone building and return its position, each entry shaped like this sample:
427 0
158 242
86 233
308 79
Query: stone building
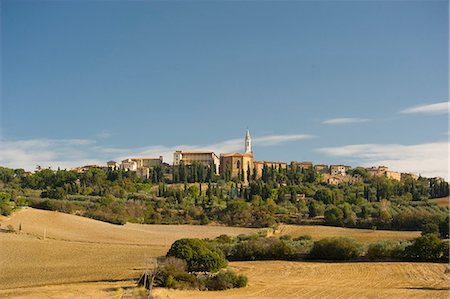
238 165
304 165
394 175
128 165
321 168
113 165
339 169
148 162
406 176
259 166
383 171
206 158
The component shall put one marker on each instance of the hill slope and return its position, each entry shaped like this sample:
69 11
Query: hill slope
62 226
78 249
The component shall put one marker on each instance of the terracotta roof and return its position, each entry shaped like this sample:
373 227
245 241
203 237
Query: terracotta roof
195 152
236 155
270 162
144 159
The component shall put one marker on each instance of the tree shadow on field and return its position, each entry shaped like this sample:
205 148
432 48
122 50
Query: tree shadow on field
428 288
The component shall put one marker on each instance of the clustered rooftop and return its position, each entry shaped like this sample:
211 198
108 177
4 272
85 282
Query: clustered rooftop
240 164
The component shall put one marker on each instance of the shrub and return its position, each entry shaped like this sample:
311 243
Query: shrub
386 249
430 228
248 250
268 249
173 264
225 239
55 193
335 249
285 238
198 254
106 217
171 278
427 248
5 208
262 249
444 228
302 238
204 220
10 229
226 280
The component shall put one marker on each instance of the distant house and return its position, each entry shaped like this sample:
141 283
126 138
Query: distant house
383 171
321 168
339 169
84 168
128 165
301 165
113 165
407 176
148 162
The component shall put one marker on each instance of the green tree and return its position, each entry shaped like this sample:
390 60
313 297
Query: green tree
334 215
335 249
430 228
5 208
324 195
426 248
444 228
198 254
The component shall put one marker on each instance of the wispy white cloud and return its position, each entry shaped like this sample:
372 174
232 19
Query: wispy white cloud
28 154
344 120
277 139
427 159
104 134
436 108
69 153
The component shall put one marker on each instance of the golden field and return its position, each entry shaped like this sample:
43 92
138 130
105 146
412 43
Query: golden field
361 235
441 202
282 279
85 258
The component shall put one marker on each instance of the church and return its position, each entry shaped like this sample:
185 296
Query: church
237 164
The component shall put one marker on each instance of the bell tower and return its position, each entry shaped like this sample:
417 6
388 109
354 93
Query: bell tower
248 143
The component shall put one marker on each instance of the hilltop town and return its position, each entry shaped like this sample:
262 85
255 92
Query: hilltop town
242 166
295 205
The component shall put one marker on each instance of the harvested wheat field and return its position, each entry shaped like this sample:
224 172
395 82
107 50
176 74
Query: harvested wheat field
68 227
82 290
80 249
85 258
441 202
362 235
27 261
281 279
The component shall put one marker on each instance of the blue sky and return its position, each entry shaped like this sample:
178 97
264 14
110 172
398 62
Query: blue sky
321 81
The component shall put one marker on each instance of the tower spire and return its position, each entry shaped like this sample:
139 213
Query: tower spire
248 142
